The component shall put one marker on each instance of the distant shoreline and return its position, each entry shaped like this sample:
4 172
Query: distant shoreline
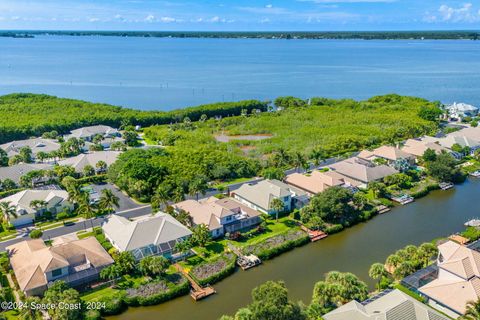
313 35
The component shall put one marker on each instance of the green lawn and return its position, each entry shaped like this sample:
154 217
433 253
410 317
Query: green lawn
273 228
97 294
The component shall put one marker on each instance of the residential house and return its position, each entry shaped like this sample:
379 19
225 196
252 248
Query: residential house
56 201
458 280
80 161
35 144
362 171
88 133
316 181
15 172
387 305
259 196
461 110
417 147
392 156
37 265
220 215
146 236
450 140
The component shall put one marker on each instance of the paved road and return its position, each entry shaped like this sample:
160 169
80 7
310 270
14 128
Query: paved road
136 211
57 232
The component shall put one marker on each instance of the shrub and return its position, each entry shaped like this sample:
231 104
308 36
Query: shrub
155 293
92 315
334 228
35 234
278 244
210 272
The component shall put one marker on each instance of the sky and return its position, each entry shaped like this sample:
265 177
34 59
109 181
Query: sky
246 15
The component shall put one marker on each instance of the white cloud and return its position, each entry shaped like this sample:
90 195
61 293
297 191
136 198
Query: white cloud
168 19
269 6
93 20
464 13
150 18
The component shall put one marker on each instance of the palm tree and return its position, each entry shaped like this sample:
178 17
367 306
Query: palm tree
8 211
85 207
197 186
317 155
473 311
101 166
30 313
377 272
108 200
277 205
298 160
160 199
393 261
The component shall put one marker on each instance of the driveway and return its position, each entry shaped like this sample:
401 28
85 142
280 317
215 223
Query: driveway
125 202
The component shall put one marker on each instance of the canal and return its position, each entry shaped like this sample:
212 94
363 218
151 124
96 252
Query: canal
436 215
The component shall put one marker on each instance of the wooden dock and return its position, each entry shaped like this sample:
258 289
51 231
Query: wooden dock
197 292
382 209
314 235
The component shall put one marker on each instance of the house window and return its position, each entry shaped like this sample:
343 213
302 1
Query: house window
56 272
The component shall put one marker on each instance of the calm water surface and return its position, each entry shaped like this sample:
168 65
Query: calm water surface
155 73
354 250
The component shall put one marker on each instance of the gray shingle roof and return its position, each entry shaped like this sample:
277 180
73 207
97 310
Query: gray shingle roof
15 172
129 235
262 193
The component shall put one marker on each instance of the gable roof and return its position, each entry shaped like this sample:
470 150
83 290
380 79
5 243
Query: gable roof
22 199
35 144
458 279
152 230
263 192
15 172
210 211
316 182
417 147
362 170
386 152
86 132
31 259
391 305
80 161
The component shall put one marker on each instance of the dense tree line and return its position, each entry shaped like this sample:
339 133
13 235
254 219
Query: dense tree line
34 114
366 35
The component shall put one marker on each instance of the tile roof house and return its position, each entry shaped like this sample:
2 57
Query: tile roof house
362 170
458 280
316 182
76 262
388 305
146 236
417 147
56 202
15 172
259 196
35 144
220 215
88 133
389 153
80 161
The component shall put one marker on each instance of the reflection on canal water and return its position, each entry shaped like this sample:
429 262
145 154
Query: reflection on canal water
439 214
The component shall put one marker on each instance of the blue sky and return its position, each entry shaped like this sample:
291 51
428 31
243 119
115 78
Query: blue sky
240 15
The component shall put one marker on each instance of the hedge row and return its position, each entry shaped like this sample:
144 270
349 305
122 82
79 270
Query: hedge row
301 239
228 270
175 291
424 191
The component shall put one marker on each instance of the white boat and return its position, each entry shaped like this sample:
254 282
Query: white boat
475 174
473 223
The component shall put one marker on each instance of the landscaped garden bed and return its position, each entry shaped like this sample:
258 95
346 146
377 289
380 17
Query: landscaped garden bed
158 291
276 245
209 272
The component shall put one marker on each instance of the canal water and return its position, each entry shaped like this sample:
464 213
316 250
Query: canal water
436 215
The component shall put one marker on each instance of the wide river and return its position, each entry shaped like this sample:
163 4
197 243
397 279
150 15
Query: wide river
156 73
439 214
